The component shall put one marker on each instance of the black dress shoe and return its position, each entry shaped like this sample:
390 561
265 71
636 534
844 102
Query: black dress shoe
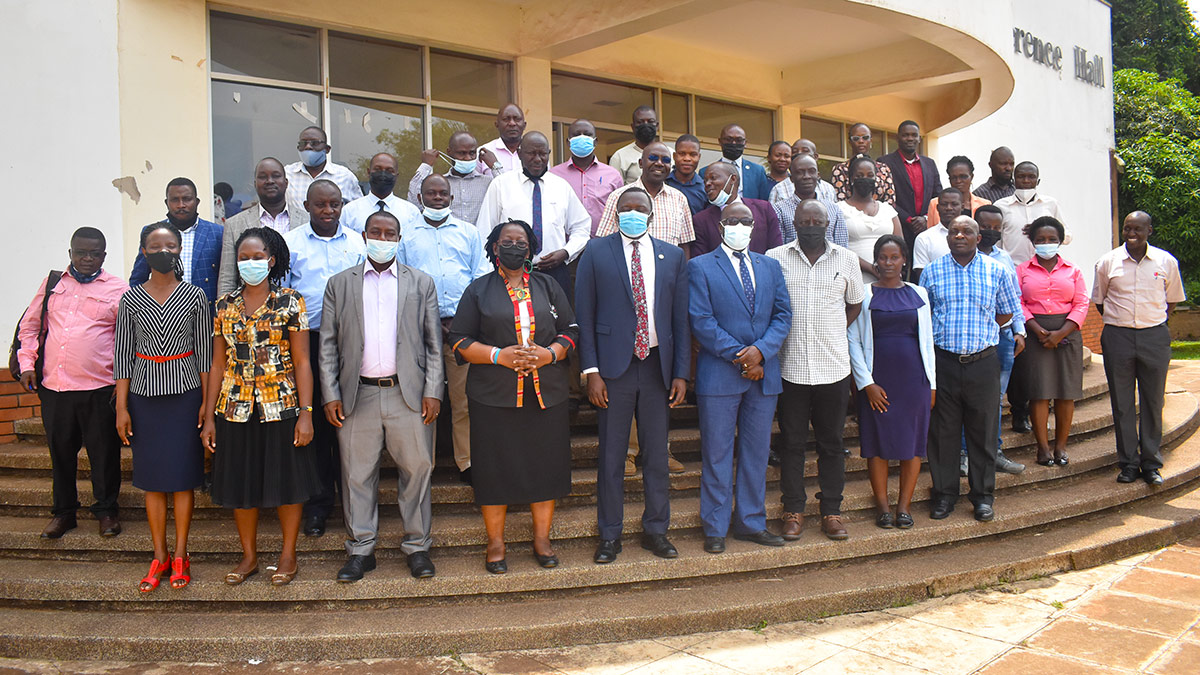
356 567
58 526
464 476
984 513
547 561
314 526
1128 475
773 458
942 508
607 551
714 544
496 566
762 538
109 526
1152 477
420 565
659 545
1021 424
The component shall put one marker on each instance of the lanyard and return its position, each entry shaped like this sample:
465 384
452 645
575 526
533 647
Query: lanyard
521 299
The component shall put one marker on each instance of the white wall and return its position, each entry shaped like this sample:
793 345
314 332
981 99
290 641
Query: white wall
62 139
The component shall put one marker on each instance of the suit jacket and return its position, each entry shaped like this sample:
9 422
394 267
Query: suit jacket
755 183
723 324
206 258
607 318
228 278
908 204
765 236
418 337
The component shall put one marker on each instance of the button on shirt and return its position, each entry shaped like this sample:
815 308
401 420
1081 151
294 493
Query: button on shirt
592 185
380 310
280 223
355 214
451 253
836 230
1135 294
315 259
965 301
816 350
299 179
565 222
672 221
1017 215
467 191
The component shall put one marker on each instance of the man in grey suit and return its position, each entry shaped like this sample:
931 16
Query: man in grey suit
382 388
272 210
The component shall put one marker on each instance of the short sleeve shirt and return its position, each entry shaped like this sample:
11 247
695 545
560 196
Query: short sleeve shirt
258 358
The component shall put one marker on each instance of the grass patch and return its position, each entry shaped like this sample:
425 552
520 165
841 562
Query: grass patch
1057 604
1183 349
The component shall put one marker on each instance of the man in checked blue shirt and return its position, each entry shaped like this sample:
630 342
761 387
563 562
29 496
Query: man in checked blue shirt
971 296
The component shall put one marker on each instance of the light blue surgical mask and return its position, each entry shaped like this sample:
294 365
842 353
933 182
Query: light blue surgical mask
312 157
382 251
582 145
253 272
722 196
737 237
464 166
1046 251
633 224
436 215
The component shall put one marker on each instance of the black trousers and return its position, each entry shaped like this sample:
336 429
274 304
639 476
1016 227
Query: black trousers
825 406
1138 357
325 442
75 419
1018 391
968 402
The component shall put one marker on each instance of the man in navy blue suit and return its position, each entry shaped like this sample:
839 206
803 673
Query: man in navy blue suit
635 348
201 251
740 312
752 177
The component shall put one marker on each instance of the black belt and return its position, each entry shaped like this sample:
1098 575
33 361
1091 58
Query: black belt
385 382
969 358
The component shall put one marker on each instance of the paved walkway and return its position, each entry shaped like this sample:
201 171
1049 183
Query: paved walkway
1138 615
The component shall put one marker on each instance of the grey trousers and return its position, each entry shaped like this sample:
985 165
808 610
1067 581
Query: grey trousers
381 420
1138 357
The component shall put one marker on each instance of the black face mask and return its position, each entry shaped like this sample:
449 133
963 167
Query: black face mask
645 132
182 225
382 182
810 237
863 186
163 261
531 176
989 238
512 258
733 151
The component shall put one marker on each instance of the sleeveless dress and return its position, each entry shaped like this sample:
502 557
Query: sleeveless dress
900 433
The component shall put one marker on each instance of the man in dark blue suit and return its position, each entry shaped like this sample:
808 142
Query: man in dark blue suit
201 252
752 177
635 348
740 312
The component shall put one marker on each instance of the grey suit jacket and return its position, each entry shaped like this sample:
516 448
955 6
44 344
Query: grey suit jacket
227 279
418 337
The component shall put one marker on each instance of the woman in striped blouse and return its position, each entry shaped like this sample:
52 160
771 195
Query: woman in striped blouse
160 362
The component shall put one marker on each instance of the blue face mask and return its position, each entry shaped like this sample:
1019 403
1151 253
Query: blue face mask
253 272
382 251
633 224
722 196
582 145
312 157
436 215
737 237
464 167
1046 251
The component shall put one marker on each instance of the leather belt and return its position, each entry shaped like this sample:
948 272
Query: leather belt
384 382
164 359
969 358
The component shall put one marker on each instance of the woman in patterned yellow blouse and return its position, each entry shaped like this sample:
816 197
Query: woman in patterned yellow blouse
258 420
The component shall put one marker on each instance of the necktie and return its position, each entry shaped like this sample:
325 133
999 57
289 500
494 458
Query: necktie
641 339
382 204
747 282
537 213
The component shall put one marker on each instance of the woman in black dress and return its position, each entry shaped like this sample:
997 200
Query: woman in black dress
160 362
515 327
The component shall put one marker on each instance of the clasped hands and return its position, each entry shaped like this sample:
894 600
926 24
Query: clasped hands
750 360
523 359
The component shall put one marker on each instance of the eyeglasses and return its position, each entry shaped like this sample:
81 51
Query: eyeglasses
859 139
84 255
512 243
665 159
728 222
309 144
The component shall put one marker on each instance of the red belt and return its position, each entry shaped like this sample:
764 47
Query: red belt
164 359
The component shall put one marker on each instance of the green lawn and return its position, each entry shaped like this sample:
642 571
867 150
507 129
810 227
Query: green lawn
1185 350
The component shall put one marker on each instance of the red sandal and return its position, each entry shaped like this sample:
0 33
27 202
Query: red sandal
154 576
180 568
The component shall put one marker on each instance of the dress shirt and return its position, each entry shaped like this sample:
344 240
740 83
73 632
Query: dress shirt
693 190
737 164
1017 322
994 192
180 325
355 214
885 185
737 265
647 258
452 253
1018 214
1061 291
280 223
1135 294
315 259
835 232
565 222
187 245
592 185
672 221
467 191
785 189
816 350
930 245
507 159
916 176
966 299
626 161
934 217
299 179
81 321
380 310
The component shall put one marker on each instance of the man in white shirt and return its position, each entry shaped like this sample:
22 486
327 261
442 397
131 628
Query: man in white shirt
510 123
932 243
384 170
645 130
1023 207
315 164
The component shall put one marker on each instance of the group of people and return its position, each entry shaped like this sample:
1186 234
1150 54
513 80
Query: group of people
319 328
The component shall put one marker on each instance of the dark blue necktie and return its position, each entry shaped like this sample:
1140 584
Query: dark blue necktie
537 213
747 282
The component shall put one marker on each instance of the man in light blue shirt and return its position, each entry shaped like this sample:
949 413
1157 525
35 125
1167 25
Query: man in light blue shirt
384 170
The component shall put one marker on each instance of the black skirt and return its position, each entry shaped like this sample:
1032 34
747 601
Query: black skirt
167 454
520 455
256 465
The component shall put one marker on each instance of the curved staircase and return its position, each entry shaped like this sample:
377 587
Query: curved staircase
77 598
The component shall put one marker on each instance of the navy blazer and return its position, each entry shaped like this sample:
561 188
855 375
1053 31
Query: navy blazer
723 324
607 319
765 236
909 205
206 258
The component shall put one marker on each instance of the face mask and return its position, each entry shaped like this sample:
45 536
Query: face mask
312 157
863 186
733 150
163 261
382 251
1025 194
436 215
722 196
737 237
645 132
464 167
989 238
633 224
810 237
512 258
81 278
531 176
253 272
382 182
583 145
1046 251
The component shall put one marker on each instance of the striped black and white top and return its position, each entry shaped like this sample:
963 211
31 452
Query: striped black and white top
179 326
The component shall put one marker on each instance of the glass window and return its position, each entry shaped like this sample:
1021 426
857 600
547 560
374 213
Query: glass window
374 65
608 142
609 102
878 138
456 78
674 113
446 122
825 167
828 136
712 116
251 122
244 46
361 127
891 142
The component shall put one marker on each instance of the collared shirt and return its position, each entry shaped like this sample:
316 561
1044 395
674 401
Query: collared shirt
452 253
994 192
672 221
626 161
1135 294
592 185
885 185
565 223
507 158
646 257
280 223
930 245
1017 322
315 259
915 176
178 326
933 217
835 232
467 191
737 164
785 189
816 350
966 299
186 247
380 309
259 371
737 264
693 190
81 324
1018 214
1060 291
299 179
355 214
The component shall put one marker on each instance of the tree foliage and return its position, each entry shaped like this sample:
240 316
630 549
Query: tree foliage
1157 36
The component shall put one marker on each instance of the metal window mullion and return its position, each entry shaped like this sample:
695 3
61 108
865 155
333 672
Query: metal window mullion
265 82
464 107
375 96
427 93
326 121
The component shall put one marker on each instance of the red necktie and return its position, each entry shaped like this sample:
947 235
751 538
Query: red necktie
641 340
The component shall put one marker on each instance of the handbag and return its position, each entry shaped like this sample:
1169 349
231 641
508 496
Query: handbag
14 364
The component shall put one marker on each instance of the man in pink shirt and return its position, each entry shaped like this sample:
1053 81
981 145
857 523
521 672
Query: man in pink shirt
592 180
73 376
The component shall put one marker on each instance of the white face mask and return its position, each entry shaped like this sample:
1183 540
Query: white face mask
1025 194
737 237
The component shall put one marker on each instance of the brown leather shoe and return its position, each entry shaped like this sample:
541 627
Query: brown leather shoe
109 526
792 524
833 528
58 526
674 465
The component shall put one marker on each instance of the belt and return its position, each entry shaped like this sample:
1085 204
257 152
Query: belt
385 382
969 358
164 359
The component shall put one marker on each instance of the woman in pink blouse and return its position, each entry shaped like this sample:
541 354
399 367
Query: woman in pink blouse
1055 302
